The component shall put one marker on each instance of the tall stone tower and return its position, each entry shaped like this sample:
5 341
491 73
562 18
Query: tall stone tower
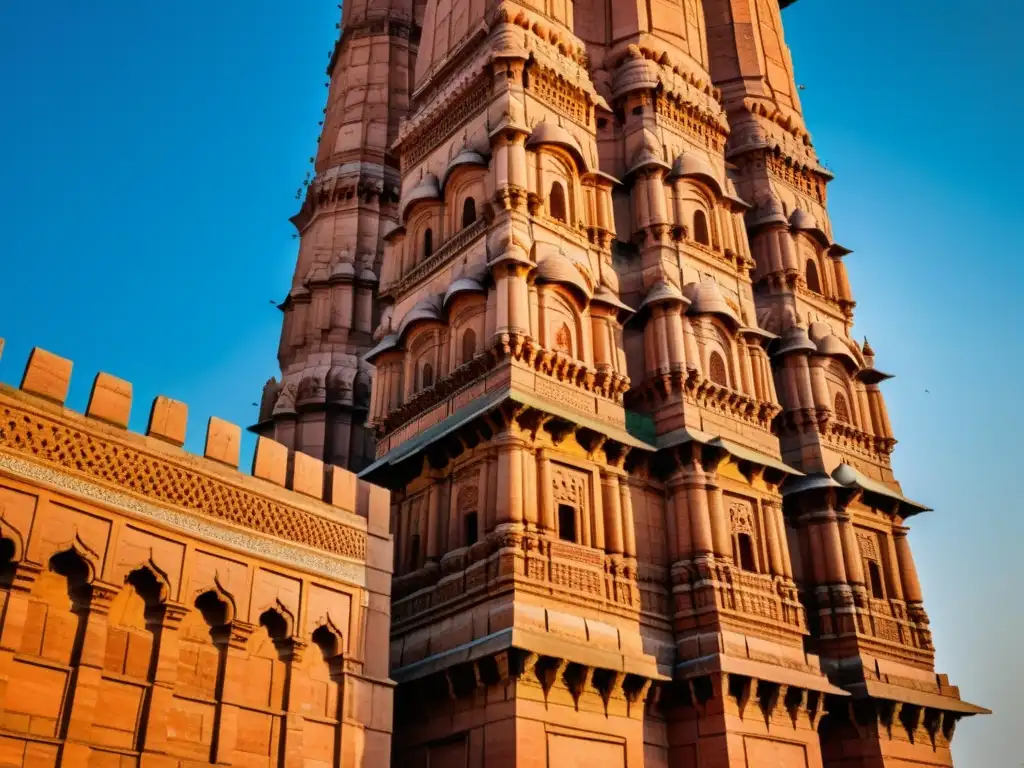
319 405
643 507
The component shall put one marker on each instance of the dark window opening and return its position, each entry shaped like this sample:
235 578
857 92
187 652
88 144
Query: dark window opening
468 212
556 203
428 376
428 243
471 530
813 281
745 552
414 551
567 522
468 345
700 228
875 575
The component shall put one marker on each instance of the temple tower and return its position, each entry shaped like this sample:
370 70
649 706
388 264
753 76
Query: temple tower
498 406
852 557
642 501
319 405
715 575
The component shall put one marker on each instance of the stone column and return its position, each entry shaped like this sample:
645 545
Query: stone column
612 505
814 538
701 536
547 503
851 552
721 533
789 260
674 331
640 197
16 601
488 511
892 569
803 380
842 279
690 344
501 161
628 521
519 300
87 677
835 569
433 520
165 678
771 531
234 657
294 721
878 411
517 161
780 523
819 384
746 368
501 289
656 195
905 561
866 419
455 518
774 251
661 338
510 482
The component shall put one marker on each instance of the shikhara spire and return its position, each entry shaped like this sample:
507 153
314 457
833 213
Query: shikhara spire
643 503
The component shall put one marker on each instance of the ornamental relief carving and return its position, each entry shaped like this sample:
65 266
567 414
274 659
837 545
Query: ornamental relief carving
43 439
571 486
556 92
467 499
868 544
741 516
446 123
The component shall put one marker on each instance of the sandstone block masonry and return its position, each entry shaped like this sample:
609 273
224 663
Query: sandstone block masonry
164 610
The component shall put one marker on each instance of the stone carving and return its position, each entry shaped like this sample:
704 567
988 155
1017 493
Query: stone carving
741 516
45 439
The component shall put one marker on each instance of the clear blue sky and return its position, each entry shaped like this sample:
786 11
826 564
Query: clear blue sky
152 152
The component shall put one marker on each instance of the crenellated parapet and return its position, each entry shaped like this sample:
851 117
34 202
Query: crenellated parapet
146 591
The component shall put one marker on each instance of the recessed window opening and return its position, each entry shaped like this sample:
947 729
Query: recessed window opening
567 522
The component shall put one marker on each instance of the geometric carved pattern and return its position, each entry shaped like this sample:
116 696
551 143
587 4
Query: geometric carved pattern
868 546
161 479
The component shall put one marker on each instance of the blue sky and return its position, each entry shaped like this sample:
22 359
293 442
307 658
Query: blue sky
153 151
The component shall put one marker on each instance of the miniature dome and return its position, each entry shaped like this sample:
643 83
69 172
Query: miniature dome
462 285
768 212
386 344
731 194
645 158
608 298
795 340
466 156
343 270
366 275
690 165
802 221
558 269
706 299
549 133
832 346
424 311
662 293
427 189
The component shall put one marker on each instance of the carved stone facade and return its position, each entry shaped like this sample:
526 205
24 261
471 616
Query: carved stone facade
643 504
163 610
